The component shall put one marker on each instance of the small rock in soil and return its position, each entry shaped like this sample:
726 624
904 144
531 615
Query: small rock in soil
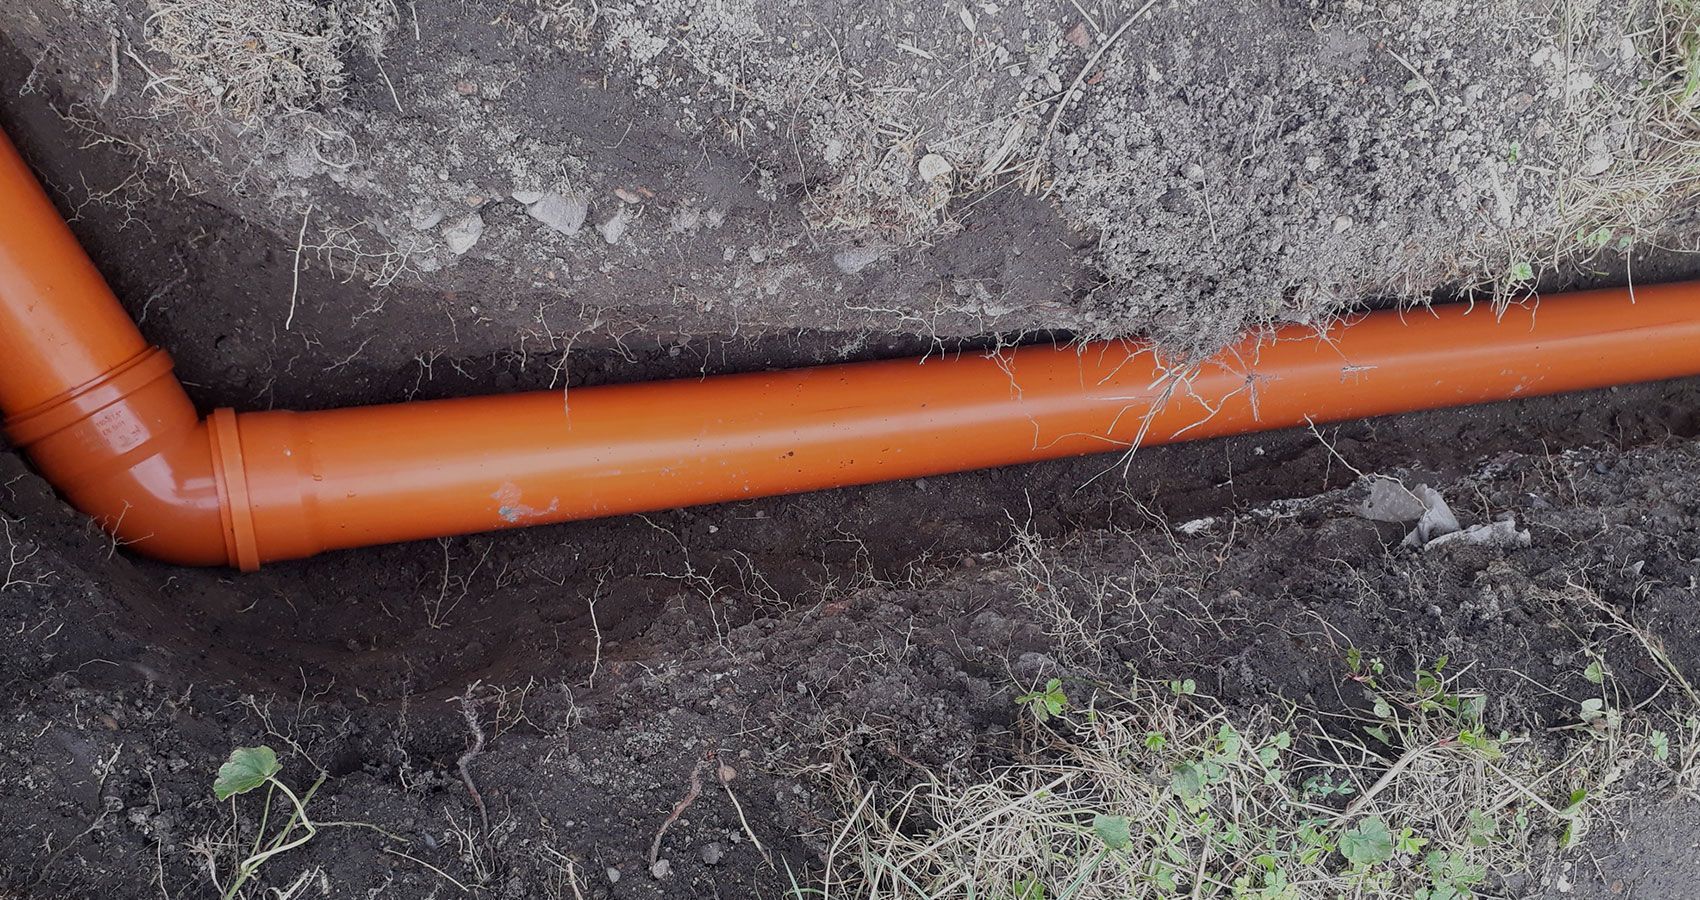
1390 501
1437 518
661 869
461 235
564 214
712 853
426 217
1503 533
615 228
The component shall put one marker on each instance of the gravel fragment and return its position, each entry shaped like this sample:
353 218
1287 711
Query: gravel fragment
615 228
463 233
565 214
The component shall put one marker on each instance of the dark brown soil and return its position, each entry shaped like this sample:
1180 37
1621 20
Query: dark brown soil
881 629
163 671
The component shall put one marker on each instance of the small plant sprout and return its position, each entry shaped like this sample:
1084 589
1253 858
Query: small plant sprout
1367 843
249 768
1164 792
1046 704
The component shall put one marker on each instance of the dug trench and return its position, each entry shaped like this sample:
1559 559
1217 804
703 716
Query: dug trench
522 714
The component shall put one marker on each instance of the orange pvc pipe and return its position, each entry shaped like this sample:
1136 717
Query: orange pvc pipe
100 415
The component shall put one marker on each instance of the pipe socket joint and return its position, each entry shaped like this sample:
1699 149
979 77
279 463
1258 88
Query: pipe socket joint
127 449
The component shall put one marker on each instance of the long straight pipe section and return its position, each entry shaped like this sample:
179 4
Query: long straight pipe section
101 416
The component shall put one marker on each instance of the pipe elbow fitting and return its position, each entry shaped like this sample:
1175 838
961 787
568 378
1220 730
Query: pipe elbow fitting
128 450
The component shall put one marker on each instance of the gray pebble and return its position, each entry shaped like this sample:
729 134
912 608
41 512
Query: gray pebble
615 228
463 233
565 214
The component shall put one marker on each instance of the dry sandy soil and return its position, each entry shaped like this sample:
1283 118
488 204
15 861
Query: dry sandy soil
324 204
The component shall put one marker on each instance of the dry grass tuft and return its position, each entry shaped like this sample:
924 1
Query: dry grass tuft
1161 792
247 60
1635 165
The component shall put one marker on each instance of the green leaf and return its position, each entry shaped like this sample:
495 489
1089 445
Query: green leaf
1228 738
1114 831
1482 744
1569 836
1597 238
1047 704
1189 781
1367 843
1595 673
246 769
1660 742
1410 843
1029 888
1483 829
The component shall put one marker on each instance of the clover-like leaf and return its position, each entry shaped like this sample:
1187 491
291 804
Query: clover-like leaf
246 769
1367 843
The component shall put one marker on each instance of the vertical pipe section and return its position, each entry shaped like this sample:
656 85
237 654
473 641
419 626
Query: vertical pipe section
354 477
60 327
96 408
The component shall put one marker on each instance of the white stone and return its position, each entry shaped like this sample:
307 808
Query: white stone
934 167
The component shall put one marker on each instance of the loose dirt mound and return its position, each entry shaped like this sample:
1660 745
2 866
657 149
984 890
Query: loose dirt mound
954 169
